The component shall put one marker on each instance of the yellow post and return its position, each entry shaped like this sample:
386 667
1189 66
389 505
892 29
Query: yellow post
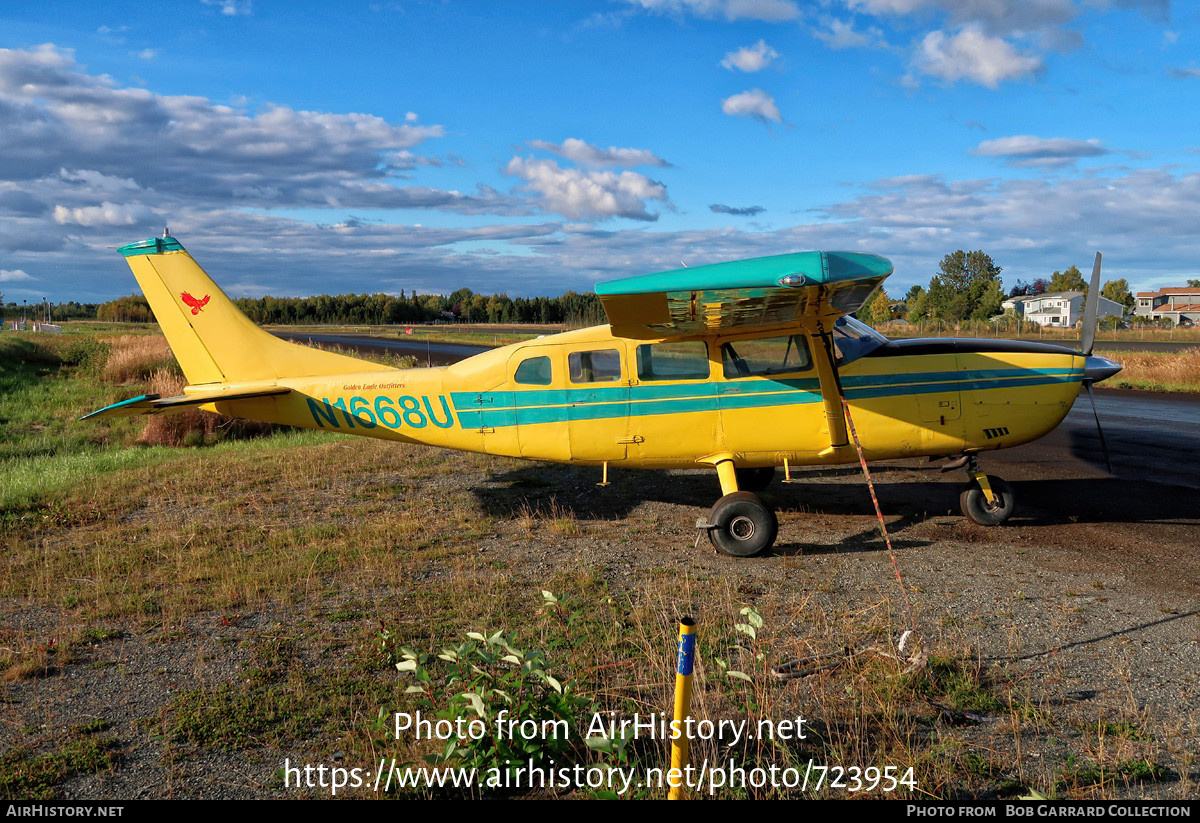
683 707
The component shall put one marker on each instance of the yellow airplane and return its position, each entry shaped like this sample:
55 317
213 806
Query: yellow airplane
742 366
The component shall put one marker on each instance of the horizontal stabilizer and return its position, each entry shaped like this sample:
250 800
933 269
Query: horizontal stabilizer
154 404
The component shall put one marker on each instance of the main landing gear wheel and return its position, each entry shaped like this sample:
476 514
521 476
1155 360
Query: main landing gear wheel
756 479
741 525
975 505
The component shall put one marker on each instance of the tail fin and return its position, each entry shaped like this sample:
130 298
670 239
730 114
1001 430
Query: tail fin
212 340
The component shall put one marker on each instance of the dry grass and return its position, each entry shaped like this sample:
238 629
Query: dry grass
136 358
560 519
147 359
1176 371
187 428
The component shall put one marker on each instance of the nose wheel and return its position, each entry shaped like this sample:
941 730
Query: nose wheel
989 500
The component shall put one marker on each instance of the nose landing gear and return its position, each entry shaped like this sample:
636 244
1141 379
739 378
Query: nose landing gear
989 500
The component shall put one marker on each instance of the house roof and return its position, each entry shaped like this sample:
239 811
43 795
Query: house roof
1166 290
1174 307
1043 296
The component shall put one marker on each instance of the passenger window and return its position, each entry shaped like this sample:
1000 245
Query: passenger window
769 355
673 361
601 366
534 372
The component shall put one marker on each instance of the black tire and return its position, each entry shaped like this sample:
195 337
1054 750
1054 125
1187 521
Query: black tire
742 525
975 506
755 479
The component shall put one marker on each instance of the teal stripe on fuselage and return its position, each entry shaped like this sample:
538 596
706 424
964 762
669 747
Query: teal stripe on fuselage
508 408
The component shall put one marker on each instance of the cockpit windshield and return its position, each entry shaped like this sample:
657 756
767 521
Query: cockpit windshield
853 339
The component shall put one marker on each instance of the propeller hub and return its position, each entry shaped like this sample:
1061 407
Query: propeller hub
1097 368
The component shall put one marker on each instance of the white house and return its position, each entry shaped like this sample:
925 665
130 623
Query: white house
1060 308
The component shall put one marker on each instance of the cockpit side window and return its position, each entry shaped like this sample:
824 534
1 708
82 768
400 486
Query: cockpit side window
672 360
599 366
534 371
766 355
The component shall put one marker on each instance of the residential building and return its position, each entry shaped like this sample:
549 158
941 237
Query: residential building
1178 303
1061 308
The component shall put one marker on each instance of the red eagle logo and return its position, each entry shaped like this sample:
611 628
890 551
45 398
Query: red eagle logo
196 305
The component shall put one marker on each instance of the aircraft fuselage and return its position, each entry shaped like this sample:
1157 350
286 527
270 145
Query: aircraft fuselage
588 397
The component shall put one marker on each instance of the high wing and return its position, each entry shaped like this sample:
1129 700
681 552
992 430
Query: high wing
786 290
154 404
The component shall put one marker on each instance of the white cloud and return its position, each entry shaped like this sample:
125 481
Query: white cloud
231 8
106 214
585 154
146 54
974 56
190 149
587 195
96 182
750 58
754 103
996 17
1028 150
767 11
1144 222
841 34
13 276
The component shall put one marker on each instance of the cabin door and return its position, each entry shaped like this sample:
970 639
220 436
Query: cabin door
539 404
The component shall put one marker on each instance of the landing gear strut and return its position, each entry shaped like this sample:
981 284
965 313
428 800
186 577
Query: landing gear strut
740 524
989 500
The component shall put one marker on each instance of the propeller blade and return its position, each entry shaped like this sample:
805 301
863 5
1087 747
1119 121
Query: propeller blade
1099 430
1091 309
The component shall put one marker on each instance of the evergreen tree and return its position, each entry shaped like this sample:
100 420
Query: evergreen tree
968 287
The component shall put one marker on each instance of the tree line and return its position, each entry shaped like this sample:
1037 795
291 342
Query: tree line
462 305
968 288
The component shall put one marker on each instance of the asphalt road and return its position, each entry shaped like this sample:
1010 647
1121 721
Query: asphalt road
426 352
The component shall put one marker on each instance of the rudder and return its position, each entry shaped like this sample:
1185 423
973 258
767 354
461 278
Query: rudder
211 338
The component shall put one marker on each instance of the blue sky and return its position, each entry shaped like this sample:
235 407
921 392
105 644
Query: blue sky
530 148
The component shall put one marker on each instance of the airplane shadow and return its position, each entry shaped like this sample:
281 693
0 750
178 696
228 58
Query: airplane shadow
545 488
906 502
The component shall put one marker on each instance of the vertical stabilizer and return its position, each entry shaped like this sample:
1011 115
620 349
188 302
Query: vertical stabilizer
211 338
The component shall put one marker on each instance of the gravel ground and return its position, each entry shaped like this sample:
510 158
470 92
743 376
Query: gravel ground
1094 615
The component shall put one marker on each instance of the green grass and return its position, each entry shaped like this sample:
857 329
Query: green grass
27 481
33 776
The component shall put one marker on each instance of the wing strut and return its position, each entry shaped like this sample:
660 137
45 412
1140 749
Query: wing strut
831 391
